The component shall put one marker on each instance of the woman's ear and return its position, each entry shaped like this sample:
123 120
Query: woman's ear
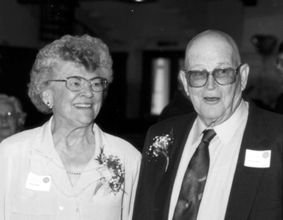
47 98
22 119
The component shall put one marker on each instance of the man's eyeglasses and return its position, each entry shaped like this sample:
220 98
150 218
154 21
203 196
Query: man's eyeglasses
223 76
77 83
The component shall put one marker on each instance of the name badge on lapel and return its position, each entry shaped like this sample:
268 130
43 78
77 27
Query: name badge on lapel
38 182
257 159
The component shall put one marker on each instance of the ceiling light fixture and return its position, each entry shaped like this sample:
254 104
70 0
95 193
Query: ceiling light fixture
138 1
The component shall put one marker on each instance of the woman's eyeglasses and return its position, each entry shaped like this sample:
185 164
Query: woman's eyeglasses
77 83
8 116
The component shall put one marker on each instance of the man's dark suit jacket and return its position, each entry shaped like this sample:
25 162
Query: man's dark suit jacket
256 193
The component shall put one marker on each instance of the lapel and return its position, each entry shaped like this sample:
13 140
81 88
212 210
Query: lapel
181 129
246 179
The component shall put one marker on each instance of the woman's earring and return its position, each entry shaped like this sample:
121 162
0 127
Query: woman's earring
49 104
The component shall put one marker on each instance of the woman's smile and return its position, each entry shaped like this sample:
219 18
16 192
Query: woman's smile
83 105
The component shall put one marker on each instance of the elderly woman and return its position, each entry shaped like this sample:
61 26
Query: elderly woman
12 116
68 168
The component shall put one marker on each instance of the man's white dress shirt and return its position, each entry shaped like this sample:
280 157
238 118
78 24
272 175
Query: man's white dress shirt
223 150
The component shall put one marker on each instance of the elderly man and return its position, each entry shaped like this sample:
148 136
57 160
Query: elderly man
225 162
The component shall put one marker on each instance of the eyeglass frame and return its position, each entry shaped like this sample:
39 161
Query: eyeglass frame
104 82
236 71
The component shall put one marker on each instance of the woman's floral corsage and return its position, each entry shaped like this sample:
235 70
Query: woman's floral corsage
113 172
160 147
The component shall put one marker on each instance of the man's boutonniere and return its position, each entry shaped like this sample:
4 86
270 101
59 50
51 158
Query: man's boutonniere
112 170
160 147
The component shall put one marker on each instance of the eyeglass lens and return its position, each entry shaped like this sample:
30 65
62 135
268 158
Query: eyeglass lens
6 116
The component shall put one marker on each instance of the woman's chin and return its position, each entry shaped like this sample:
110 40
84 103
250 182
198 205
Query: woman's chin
85 121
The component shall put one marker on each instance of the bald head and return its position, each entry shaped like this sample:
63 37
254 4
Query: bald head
210 41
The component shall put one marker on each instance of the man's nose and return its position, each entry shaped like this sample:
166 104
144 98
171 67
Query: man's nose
210 81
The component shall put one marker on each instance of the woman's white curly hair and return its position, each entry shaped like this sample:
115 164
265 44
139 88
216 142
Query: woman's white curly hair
84 50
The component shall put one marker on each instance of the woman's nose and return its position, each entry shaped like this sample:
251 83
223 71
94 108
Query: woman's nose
87 90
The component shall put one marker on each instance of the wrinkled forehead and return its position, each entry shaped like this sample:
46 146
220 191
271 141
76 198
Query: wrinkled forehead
212 47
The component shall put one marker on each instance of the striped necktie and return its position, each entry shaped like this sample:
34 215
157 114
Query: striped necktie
194 180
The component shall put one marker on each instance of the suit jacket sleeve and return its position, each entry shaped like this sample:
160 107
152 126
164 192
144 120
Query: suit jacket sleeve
144 196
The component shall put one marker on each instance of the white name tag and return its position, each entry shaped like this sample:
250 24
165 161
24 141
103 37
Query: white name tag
38 182
257 159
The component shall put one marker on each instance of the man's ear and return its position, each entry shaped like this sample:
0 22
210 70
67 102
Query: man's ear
183 81
244 74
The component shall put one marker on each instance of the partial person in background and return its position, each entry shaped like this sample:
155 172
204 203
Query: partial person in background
180 104
12 116
222 162
279 67
68 168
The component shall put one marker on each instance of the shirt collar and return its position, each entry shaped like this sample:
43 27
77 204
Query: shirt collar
46 146
43 142
227 129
